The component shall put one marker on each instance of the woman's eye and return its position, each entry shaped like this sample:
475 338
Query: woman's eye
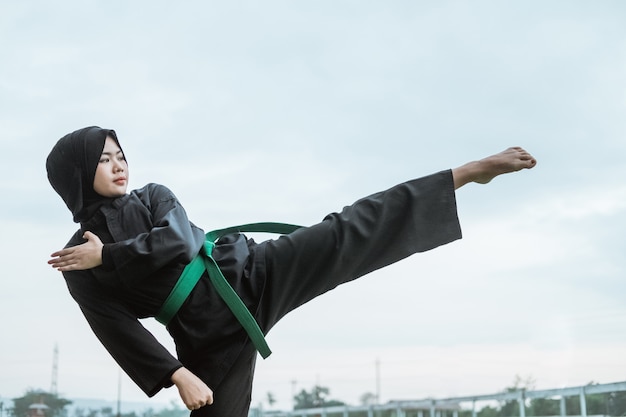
103 160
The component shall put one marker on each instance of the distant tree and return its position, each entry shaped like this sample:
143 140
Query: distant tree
367 398
304 399
510 408
106 412
271 400
596 403
544 407
174 410
54 403
488 411
617 403
317 397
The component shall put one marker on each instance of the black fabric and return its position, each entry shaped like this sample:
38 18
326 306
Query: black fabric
148 240
71 167
233 396
271 277
373 232
376 231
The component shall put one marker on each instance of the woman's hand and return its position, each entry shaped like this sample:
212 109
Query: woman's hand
192 390
85 256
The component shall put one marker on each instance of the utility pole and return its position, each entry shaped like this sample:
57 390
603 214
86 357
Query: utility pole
293 393
119 393
55 370
377 381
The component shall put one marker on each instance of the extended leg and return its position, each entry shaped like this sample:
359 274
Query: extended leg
373 232
376 231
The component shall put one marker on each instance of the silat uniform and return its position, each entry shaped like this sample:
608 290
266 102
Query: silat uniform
148 240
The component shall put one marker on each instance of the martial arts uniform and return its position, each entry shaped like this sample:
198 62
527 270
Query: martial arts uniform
148 240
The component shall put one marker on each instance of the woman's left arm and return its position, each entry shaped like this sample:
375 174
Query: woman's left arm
161 232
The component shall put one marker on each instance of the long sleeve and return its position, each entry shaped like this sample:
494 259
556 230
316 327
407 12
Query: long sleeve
166 234
148 240
148 363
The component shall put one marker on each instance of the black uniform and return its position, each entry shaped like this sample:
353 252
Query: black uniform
149 240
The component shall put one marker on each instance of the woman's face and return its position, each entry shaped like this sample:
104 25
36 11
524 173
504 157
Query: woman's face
111 178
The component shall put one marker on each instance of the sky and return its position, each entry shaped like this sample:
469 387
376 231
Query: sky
286 111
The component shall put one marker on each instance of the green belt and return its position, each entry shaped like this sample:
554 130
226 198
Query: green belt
205 262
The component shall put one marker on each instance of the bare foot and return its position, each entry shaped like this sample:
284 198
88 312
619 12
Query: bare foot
486 169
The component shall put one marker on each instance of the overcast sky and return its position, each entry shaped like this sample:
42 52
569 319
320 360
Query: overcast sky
288 110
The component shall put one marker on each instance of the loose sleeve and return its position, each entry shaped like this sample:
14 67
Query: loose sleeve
146 361
167 235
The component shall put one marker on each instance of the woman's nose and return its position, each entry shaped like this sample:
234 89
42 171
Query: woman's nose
119 166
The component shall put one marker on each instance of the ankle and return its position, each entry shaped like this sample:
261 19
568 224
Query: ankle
465 174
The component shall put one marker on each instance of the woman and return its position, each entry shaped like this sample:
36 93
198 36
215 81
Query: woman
131 249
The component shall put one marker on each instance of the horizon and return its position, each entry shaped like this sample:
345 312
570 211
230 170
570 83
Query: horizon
476 399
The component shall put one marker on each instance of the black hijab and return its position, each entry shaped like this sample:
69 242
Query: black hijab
71 167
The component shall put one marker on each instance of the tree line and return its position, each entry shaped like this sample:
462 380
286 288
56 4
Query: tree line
608 404
55 406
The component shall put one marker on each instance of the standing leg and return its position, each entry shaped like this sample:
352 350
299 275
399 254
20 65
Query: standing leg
232 396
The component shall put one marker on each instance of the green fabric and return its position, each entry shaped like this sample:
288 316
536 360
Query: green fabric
204 261
187 280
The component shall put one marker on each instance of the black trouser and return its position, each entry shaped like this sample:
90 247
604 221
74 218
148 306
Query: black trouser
375 231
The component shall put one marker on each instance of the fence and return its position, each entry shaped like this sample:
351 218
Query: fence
441 407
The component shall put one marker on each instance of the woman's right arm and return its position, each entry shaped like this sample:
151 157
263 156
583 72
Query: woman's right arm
193 391
146 361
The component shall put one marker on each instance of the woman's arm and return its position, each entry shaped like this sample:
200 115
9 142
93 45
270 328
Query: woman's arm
193 391
85 256
146 361
150 233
